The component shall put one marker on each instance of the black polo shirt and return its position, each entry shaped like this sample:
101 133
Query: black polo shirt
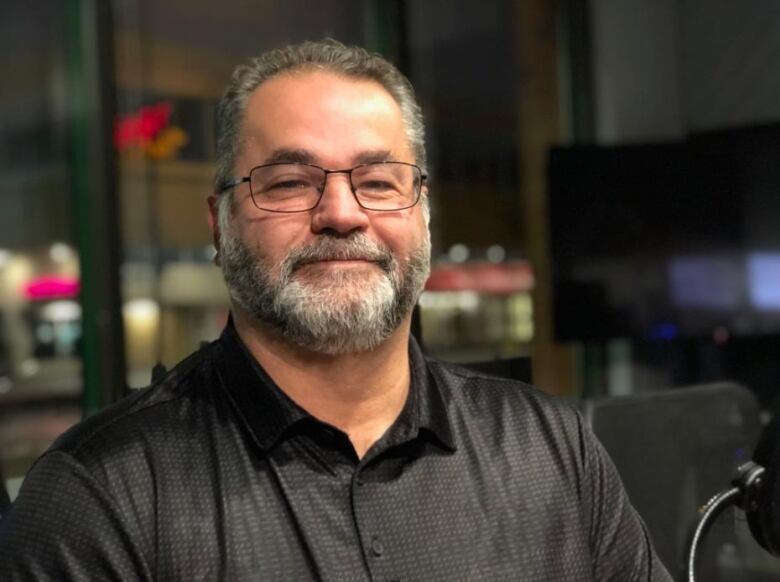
214 474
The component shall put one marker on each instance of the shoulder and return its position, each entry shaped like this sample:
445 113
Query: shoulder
485 393
97 490
512 419
144 414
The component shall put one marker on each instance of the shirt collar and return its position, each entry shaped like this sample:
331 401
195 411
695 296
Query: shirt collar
265 409
269 413
432 413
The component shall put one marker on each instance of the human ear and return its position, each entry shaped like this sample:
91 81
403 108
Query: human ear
213 219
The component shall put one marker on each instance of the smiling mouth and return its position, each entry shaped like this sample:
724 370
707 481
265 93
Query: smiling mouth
343 258
332 266
338 262
344 261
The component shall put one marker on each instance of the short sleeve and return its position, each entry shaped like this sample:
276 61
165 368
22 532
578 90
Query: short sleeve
64 526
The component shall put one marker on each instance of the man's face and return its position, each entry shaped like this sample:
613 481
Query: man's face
337 278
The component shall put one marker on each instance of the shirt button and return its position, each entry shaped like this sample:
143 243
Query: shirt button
376 547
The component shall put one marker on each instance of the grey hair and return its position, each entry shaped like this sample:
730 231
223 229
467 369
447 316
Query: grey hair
326 55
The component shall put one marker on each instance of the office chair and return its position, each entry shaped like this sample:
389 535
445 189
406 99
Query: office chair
675 449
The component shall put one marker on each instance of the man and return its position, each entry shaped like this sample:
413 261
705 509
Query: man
313 440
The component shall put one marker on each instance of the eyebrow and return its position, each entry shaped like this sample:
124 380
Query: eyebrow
373 156
302 156
299 156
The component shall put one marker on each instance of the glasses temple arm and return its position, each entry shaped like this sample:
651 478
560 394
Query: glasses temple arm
232 184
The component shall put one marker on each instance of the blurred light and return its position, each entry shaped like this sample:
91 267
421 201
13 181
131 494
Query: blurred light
50 287
468 300
17 274
141 310
705 282
5 257
142 128
210 252
142 328
428 300
29 367
44 333
496 253
664 331
720 335
450 300
59 252
764 280
58 311
459 253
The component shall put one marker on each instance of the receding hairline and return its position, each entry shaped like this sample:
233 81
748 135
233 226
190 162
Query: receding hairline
317 69
308 69
327 56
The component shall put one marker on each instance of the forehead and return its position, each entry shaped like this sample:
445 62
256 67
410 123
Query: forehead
325 113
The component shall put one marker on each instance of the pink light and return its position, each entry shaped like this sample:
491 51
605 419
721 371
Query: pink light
140 129
51 287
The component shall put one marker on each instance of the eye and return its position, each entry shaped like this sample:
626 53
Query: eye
290 184
284 180
376 185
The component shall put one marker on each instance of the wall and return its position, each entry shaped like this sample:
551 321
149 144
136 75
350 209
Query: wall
665 68
636 70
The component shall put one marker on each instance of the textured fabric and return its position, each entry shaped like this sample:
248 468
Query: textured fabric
214 474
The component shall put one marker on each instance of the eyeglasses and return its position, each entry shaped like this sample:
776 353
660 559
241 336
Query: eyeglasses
295 187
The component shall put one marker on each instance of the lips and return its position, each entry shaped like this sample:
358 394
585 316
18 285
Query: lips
310 261
379 259
337 263
355 248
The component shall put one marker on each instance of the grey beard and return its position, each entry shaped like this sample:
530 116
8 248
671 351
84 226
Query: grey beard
336 311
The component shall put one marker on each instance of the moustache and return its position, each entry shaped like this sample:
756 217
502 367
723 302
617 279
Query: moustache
329 248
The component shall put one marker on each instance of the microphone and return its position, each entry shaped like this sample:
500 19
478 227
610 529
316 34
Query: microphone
764 517
756 490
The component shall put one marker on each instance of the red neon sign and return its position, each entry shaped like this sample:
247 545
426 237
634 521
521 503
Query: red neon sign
51 287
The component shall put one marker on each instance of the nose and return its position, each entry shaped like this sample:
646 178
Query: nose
338 209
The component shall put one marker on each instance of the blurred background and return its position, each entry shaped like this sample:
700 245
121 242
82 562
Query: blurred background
606 218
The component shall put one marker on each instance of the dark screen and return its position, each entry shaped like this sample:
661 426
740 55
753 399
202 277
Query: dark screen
667 241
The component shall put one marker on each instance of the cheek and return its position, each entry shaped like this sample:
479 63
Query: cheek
406 237
275 235
418 229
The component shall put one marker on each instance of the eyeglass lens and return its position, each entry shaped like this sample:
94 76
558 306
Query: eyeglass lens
291 187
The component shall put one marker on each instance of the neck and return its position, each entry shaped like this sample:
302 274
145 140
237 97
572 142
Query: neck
360 393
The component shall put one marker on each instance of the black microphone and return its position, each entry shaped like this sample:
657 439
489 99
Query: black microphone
756 491
764 517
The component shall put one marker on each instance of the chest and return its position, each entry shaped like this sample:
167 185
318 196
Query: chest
431 516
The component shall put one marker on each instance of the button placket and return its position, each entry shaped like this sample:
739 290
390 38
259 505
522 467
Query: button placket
373 546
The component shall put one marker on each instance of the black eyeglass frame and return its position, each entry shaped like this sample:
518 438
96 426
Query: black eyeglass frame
348 171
